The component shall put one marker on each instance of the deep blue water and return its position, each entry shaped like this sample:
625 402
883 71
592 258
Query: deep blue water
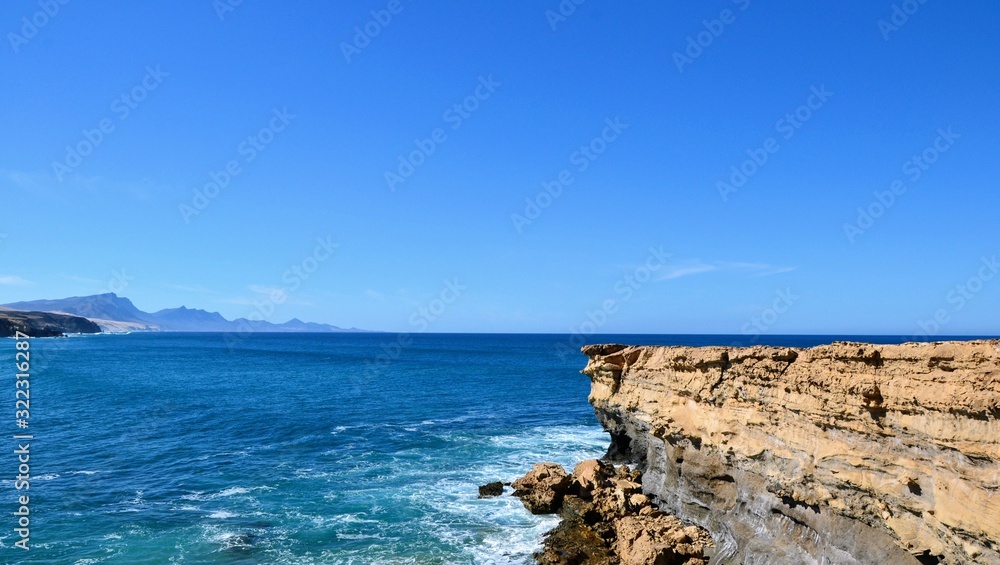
333 448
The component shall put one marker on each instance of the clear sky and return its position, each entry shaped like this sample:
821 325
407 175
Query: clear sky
338 122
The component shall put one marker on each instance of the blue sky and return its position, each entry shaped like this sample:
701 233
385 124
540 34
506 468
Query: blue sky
645 110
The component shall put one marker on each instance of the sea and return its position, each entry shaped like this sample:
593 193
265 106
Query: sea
352 448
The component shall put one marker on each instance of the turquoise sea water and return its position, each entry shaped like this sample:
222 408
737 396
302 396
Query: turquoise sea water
334 448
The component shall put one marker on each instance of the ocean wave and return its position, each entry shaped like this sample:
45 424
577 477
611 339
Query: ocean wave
201 496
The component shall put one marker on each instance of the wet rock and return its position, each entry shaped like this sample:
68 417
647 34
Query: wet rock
573 541
606 519
491 489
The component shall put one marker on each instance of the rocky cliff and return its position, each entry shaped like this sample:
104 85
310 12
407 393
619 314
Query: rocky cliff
43 324
846 453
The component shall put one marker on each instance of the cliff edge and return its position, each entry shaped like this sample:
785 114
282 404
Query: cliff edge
43 324
847 453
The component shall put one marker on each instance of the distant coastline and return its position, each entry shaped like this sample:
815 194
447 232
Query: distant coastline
110 313
43 324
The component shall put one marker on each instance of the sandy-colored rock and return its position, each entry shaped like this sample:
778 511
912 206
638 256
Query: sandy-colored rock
589 475
606 521
846 453
643 539
542 490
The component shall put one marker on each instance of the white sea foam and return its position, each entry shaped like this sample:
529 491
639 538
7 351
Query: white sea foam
488 531
231 491
222 515
228 539
200 496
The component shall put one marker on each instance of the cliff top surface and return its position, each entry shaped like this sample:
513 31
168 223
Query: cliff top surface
959 376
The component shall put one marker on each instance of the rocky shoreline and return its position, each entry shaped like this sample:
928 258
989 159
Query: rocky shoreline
848 453
606 519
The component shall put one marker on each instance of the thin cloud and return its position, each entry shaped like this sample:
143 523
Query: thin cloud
697 267
264 289
757 269
47 185
13 280
376 295
679 271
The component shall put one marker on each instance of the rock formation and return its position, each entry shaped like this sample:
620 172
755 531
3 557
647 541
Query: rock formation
490 490
846 453
43 324
606 520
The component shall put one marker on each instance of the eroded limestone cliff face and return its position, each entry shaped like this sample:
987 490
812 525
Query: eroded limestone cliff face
844 453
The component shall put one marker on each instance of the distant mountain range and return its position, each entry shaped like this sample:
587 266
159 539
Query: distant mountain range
114 313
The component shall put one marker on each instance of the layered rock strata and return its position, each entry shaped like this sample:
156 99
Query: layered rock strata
846 453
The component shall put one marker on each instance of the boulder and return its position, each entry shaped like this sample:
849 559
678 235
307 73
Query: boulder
543 488
491 489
